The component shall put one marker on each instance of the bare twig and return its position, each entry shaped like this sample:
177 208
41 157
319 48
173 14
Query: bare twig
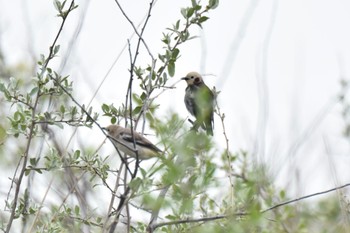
143 28
227 149
125 196
116 186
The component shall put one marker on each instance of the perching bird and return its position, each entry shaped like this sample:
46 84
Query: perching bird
199 101
123 140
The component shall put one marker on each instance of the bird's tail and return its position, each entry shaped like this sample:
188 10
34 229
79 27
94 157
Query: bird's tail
209 127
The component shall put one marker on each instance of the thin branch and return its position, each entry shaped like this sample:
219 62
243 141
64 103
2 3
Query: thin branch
239 214
155 212
305 197
116 186
152 3
32 125
189 220
116 59
227 149
125 196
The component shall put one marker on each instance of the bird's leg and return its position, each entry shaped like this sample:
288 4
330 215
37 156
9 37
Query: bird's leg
195 124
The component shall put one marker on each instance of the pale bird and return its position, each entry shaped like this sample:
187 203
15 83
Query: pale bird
199 101
123 140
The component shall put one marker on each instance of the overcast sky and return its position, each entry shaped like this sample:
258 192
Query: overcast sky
278 65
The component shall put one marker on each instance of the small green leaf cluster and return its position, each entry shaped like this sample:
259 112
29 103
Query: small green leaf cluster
59 5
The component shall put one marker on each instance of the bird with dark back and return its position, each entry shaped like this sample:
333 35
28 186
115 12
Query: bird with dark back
124 139
199 101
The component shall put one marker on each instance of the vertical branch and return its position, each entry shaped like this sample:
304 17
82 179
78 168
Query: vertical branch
116 186
155 212
125 196
18 181
32 125
227 151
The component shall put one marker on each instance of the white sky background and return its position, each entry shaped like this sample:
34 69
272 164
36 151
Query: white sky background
308 52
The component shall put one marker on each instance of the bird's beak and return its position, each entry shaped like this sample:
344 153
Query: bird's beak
184 78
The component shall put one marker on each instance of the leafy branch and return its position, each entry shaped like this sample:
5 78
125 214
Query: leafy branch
31 113
240 214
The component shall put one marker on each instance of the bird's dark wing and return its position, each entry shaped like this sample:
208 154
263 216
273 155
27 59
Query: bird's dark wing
205 107
139 140
190 102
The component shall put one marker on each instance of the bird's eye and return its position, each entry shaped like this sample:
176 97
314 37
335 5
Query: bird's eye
192 77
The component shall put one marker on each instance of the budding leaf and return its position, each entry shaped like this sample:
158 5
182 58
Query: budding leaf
171 68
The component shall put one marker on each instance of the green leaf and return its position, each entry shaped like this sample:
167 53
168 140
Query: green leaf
175 53
135 184
190 12
143 96
136 98
137 110
184 12
27 171
2 87
18 116
202 19
57 5
76 154
59 125
213 4
33 161
194 3
62 109
34 91
177 25
282 194
63 4
77 210
105 108
165 78
38 171
171 68
185 35
113 120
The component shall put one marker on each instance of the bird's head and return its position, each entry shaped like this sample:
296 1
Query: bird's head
113 130
193 78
